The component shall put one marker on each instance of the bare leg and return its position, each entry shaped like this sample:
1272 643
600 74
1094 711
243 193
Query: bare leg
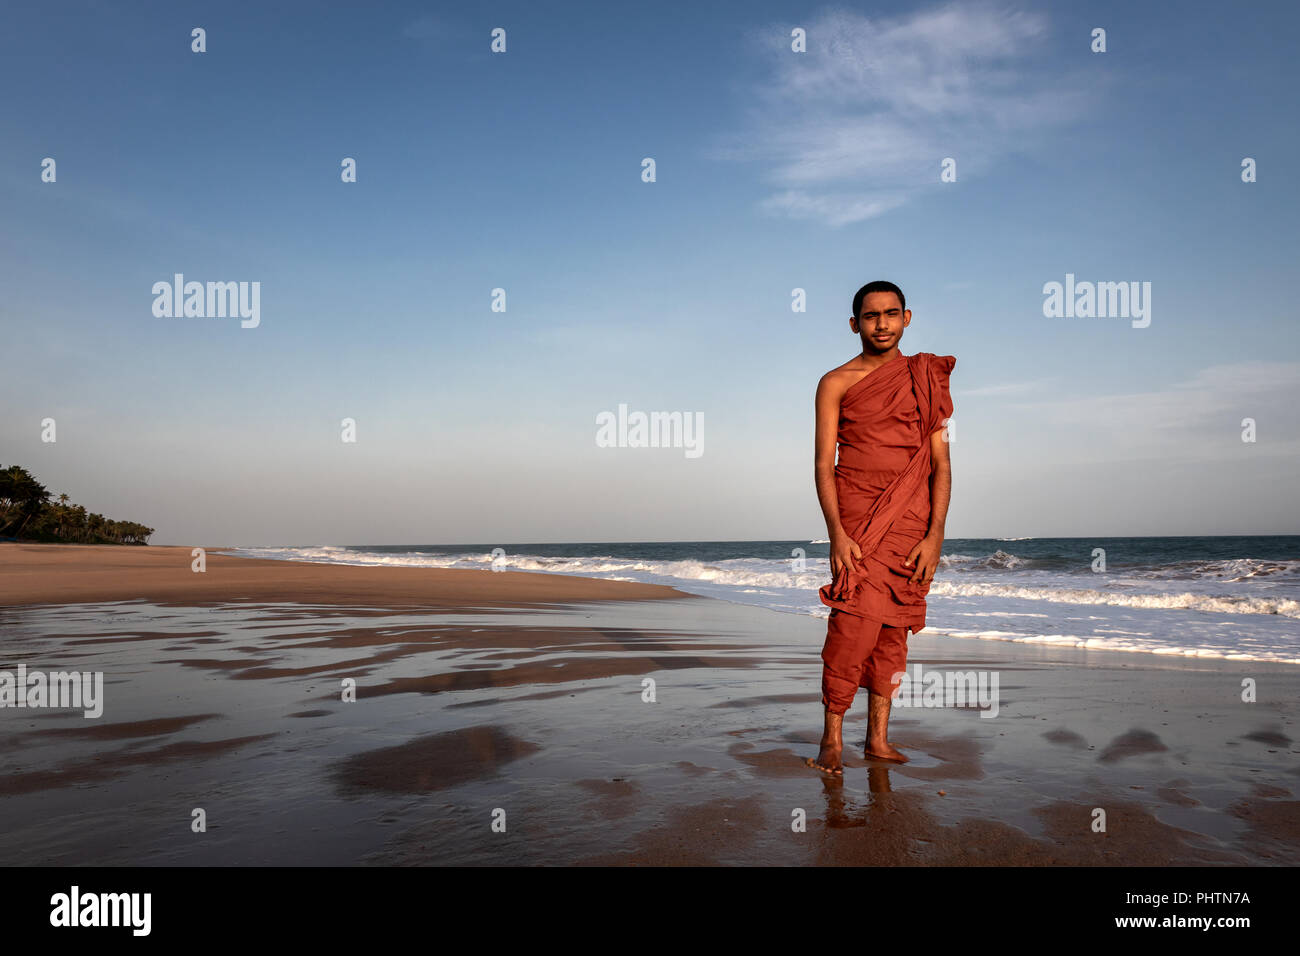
878 744
829 758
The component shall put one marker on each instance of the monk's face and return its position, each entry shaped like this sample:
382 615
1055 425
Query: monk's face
881 322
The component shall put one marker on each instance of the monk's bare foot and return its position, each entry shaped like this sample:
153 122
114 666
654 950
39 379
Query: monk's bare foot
884 750
828 761
829 757
877 730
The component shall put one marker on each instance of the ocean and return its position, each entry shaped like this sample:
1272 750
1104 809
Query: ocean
1226 597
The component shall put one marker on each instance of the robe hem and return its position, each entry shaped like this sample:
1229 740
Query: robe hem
875 620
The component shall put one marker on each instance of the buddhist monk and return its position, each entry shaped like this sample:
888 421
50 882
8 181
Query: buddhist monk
885 502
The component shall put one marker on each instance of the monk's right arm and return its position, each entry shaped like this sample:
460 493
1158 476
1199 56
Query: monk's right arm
829 393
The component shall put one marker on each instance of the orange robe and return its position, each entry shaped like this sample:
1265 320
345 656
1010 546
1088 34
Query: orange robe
882 479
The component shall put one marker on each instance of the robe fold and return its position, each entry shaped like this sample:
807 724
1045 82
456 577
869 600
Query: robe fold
882 480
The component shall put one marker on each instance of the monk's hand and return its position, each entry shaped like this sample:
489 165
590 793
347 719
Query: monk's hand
924 558
844 553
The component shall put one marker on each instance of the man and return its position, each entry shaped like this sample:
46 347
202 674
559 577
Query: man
885 503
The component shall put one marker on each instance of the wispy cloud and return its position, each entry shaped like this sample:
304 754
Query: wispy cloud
1199 418
860 123
1009 388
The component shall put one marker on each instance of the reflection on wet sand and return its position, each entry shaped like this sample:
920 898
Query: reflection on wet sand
624 732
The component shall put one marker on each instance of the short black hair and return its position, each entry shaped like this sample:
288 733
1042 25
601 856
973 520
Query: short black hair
880 285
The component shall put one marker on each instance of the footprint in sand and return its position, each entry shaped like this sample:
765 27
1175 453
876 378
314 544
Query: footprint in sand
1131 744
1066 737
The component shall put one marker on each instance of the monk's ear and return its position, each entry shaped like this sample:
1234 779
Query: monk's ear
907 317
853 324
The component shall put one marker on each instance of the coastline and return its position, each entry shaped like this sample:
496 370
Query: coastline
480 691
32 574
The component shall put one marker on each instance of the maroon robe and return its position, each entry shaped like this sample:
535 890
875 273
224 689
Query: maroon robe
882 480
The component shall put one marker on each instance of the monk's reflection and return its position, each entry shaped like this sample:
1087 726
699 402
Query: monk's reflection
845 808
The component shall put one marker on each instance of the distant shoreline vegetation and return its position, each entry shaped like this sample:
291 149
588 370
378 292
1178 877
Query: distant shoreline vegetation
28 513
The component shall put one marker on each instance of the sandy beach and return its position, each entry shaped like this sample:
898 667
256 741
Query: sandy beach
521 698
67 573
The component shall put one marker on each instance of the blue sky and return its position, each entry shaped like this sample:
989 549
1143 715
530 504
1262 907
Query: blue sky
522 171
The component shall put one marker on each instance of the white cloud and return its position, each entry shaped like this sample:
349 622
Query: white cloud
1199 418
860 123
837 210
1008 388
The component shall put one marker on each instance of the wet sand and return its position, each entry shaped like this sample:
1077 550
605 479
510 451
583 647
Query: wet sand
516 700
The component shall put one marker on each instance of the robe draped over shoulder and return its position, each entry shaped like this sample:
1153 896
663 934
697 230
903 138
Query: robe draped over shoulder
882 480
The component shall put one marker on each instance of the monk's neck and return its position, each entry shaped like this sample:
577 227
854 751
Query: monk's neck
873 360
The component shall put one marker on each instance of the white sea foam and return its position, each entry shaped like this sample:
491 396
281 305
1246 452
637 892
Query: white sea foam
1218 604
1142 645
1233 610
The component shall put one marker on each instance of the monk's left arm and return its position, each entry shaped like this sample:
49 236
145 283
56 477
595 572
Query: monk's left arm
927 550
940 483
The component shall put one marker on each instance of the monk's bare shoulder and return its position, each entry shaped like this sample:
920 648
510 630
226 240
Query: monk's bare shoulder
839 380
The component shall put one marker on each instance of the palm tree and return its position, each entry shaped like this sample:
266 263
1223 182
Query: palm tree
25 502
21 496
